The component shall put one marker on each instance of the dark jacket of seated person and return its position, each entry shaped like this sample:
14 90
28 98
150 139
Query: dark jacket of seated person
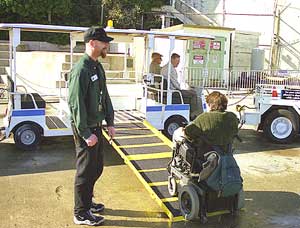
217 127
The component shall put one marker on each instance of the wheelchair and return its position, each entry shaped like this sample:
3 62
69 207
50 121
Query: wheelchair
189 169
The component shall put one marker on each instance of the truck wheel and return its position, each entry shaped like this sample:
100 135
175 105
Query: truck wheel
27 137
172 186
189 202
280 126
172 124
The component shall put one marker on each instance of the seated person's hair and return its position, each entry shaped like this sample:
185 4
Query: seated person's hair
217 101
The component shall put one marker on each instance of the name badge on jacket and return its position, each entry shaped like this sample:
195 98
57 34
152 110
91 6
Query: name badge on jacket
94 77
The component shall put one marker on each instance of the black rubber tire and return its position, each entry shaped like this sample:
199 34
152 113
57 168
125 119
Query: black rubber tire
172 186
189 202
27 137
289 126
172 124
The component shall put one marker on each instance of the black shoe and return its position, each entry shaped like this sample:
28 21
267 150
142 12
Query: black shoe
87 218
97 207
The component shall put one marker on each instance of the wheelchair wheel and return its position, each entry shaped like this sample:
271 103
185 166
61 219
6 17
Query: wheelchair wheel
172 186
189 202
172 124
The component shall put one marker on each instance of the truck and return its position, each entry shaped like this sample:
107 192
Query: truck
275 111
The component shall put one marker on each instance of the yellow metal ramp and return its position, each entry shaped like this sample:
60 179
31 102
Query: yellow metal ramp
147 152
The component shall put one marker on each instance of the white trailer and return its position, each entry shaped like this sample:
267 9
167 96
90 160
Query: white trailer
27 117
276 111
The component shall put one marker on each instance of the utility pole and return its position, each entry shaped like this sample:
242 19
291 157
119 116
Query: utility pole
275 38
102 9
224 13
276 42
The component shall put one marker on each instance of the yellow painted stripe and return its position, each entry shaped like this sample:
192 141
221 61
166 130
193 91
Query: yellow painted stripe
142 145
134 128
139 176
177 219
150 156
151 170
161 183
215 213
134 136
158 134
170 199
221 212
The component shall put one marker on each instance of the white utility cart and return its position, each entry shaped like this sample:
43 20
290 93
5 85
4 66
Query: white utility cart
27 116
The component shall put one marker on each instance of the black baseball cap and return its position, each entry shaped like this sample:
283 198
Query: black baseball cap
96 33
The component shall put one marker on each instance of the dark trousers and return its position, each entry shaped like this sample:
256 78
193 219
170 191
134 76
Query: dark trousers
89 167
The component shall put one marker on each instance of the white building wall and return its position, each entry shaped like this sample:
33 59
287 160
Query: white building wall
258 16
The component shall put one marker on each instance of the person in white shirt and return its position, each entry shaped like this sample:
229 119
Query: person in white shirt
189 96
175 60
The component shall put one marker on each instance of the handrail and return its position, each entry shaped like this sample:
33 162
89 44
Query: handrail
289 47
32 97
166 91
180 5
21 86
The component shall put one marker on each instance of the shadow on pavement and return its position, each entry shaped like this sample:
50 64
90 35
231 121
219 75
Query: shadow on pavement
253 141
134 214
53 154
266 209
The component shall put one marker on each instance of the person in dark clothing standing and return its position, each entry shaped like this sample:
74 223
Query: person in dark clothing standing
89 104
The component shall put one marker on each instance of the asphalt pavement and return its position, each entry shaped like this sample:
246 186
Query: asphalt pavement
36 188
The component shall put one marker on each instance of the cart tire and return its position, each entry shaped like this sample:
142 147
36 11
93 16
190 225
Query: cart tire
172 186
280 126
27 137
172 124
189 202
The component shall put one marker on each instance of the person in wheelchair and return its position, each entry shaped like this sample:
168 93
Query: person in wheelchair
203 165
216 127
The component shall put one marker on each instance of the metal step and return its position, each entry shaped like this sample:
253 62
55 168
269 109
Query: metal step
53 122
4 54
2 70
4 46
76 57
4 62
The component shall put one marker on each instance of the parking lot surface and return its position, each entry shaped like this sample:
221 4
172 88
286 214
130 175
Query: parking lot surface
37 187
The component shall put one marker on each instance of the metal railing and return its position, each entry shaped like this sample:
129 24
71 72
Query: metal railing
238 80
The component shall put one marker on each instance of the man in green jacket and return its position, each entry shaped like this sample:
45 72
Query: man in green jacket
89 104
217 127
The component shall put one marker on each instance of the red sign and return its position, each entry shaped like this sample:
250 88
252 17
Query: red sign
198 59
199 44
215 45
